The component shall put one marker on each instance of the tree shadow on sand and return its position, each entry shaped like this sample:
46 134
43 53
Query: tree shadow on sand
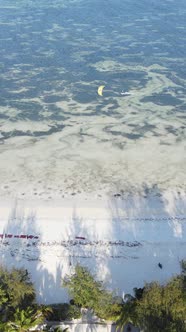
155 222
21 247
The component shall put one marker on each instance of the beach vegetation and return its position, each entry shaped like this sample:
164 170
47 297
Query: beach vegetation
64 311
157 307
24 319
17 286
17 291
154 307
87 292
18 308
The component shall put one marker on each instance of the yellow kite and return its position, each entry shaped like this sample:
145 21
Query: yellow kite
100 90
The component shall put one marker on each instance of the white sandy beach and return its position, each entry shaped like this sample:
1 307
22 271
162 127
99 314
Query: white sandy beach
120 240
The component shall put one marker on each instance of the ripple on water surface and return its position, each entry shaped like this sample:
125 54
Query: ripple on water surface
57 131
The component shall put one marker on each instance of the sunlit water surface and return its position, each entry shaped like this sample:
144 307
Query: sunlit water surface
58 136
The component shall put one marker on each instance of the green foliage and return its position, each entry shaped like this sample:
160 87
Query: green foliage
153 308
163 307
128 313
108 307
64 311
16 287
60 329
87 292
3 327
44 309
157 308
83 288
18 311
3 296
25 319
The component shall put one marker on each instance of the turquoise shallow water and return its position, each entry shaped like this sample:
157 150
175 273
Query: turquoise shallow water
54 128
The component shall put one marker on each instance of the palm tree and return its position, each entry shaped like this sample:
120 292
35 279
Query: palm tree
127 314
3 327
25 319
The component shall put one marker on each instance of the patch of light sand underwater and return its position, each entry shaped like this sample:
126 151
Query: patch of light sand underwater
63 161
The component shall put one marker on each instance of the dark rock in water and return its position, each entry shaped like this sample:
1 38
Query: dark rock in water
160 265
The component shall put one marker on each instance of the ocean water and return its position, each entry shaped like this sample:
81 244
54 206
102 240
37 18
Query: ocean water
58 137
